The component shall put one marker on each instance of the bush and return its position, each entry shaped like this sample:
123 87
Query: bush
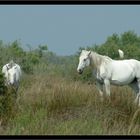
7 101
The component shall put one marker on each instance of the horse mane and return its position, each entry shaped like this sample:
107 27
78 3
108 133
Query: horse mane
99 59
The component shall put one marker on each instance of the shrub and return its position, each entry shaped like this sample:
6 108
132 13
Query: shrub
7 101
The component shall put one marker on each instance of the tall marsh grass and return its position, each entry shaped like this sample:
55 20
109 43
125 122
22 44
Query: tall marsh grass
49 104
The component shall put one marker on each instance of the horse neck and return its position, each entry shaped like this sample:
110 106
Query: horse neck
97 59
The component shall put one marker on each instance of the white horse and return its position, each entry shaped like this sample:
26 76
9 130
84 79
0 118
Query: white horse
12 73
108 71
121 53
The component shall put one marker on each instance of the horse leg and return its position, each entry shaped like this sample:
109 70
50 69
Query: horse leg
135 87
107 86
100 89
138 95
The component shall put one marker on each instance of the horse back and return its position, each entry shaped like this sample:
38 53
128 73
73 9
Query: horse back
120 71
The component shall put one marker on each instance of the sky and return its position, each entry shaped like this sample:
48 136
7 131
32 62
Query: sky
65 28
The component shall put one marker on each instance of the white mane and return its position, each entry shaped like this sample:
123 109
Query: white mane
99 59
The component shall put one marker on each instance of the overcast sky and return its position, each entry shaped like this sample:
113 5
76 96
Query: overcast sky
65 28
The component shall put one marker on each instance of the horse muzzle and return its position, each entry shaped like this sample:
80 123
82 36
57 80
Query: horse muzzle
80 71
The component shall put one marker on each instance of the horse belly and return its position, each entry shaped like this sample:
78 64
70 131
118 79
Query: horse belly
121 83
122 76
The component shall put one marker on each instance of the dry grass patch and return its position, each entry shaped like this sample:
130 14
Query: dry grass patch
55 105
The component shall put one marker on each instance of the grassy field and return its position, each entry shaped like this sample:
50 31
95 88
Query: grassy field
49 104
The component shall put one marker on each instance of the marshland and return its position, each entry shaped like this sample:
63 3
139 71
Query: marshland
54 99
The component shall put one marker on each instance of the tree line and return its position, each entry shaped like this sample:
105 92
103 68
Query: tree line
41 60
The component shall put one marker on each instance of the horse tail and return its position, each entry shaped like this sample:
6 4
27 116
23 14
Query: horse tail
121 53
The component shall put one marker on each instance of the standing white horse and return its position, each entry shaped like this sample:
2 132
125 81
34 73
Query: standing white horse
108 71
12 73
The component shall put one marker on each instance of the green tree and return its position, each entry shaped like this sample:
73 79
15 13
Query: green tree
129 38
42 48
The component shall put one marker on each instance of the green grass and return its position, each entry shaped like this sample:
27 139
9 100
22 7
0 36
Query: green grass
54 105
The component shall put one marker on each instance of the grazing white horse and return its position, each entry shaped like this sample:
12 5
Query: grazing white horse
121 53
108 71
12 73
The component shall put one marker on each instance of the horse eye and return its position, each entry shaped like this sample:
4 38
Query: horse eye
84 59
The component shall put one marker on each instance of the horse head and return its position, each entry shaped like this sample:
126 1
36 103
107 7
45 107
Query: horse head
84 61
